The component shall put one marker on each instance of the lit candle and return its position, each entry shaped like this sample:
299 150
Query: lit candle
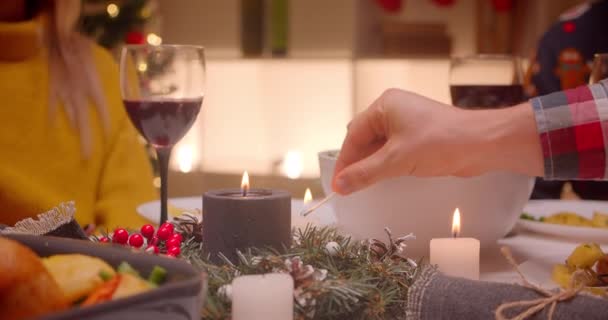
299 221
457 257
237 219
245 184
268 296
307 196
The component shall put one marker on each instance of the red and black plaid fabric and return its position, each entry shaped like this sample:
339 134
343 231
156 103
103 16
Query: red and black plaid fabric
573 129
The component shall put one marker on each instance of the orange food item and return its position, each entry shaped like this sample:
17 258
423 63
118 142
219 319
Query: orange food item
27 290
103 292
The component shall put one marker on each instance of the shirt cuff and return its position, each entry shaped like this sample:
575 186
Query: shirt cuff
572 127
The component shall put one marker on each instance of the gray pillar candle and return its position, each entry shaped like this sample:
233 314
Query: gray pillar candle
232 220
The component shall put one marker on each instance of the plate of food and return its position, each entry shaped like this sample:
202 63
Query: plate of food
572 219
51 278
323 216
588 261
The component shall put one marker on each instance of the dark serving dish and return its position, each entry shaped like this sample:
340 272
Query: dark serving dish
180 297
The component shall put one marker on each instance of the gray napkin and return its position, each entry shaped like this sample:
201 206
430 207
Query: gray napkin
58 222
435 296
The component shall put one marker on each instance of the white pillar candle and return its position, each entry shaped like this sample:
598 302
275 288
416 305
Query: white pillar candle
457 257
268 296
299 221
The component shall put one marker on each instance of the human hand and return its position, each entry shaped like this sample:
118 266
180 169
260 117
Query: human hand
403 133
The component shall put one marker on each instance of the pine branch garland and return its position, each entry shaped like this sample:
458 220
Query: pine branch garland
335 276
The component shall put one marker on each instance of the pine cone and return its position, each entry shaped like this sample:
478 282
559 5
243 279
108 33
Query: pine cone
189 226
395 249
303 274
378 249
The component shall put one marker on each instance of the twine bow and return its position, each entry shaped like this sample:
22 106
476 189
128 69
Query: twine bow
579 280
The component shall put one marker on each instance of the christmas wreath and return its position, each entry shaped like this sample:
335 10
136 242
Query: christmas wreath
334 276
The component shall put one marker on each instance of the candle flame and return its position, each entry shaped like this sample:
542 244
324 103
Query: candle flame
456 223
307 196
245 183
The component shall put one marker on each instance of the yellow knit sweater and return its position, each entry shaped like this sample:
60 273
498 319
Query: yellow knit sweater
41 163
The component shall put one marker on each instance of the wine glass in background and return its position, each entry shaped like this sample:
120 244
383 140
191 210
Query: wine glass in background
486 81
162 88
599 70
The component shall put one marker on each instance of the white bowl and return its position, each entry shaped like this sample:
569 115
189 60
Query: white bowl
490 205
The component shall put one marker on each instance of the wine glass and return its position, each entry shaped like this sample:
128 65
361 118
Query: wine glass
599 70
486 81
162 88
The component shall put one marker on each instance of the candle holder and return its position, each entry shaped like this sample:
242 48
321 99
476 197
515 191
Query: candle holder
234 220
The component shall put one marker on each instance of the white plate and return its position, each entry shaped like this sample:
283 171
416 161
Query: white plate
322 217
538 270
543 208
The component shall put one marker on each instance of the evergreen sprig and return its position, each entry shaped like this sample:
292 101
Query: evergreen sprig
349 280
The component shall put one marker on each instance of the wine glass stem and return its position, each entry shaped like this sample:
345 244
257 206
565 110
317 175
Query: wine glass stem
163 160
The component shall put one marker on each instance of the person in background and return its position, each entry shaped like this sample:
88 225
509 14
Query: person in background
64 133
392 138
563 61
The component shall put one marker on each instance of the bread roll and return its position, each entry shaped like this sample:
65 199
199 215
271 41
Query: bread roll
27 290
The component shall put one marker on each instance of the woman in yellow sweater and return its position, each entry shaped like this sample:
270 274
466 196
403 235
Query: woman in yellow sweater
64 133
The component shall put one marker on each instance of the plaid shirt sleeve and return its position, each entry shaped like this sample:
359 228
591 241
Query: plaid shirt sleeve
573 130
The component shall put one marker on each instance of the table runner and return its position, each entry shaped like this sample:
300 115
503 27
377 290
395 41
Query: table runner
435 296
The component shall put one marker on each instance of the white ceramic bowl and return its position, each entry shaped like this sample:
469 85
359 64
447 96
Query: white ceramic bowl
490 206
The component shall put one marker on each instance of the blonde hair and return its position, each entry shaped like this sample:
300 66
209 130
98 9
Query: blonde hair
73 77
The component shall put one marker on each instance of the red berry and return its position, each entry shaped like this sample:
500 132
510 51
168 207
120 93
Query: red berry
169 255
174 251
104 239
168 226
164 233
147 230
120 236
172 242
177 236
152 249
569 27
153 241
136 240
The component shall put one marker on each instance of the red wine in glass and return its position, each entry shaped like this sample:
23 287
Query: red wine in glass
486 96
162 88
163 122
